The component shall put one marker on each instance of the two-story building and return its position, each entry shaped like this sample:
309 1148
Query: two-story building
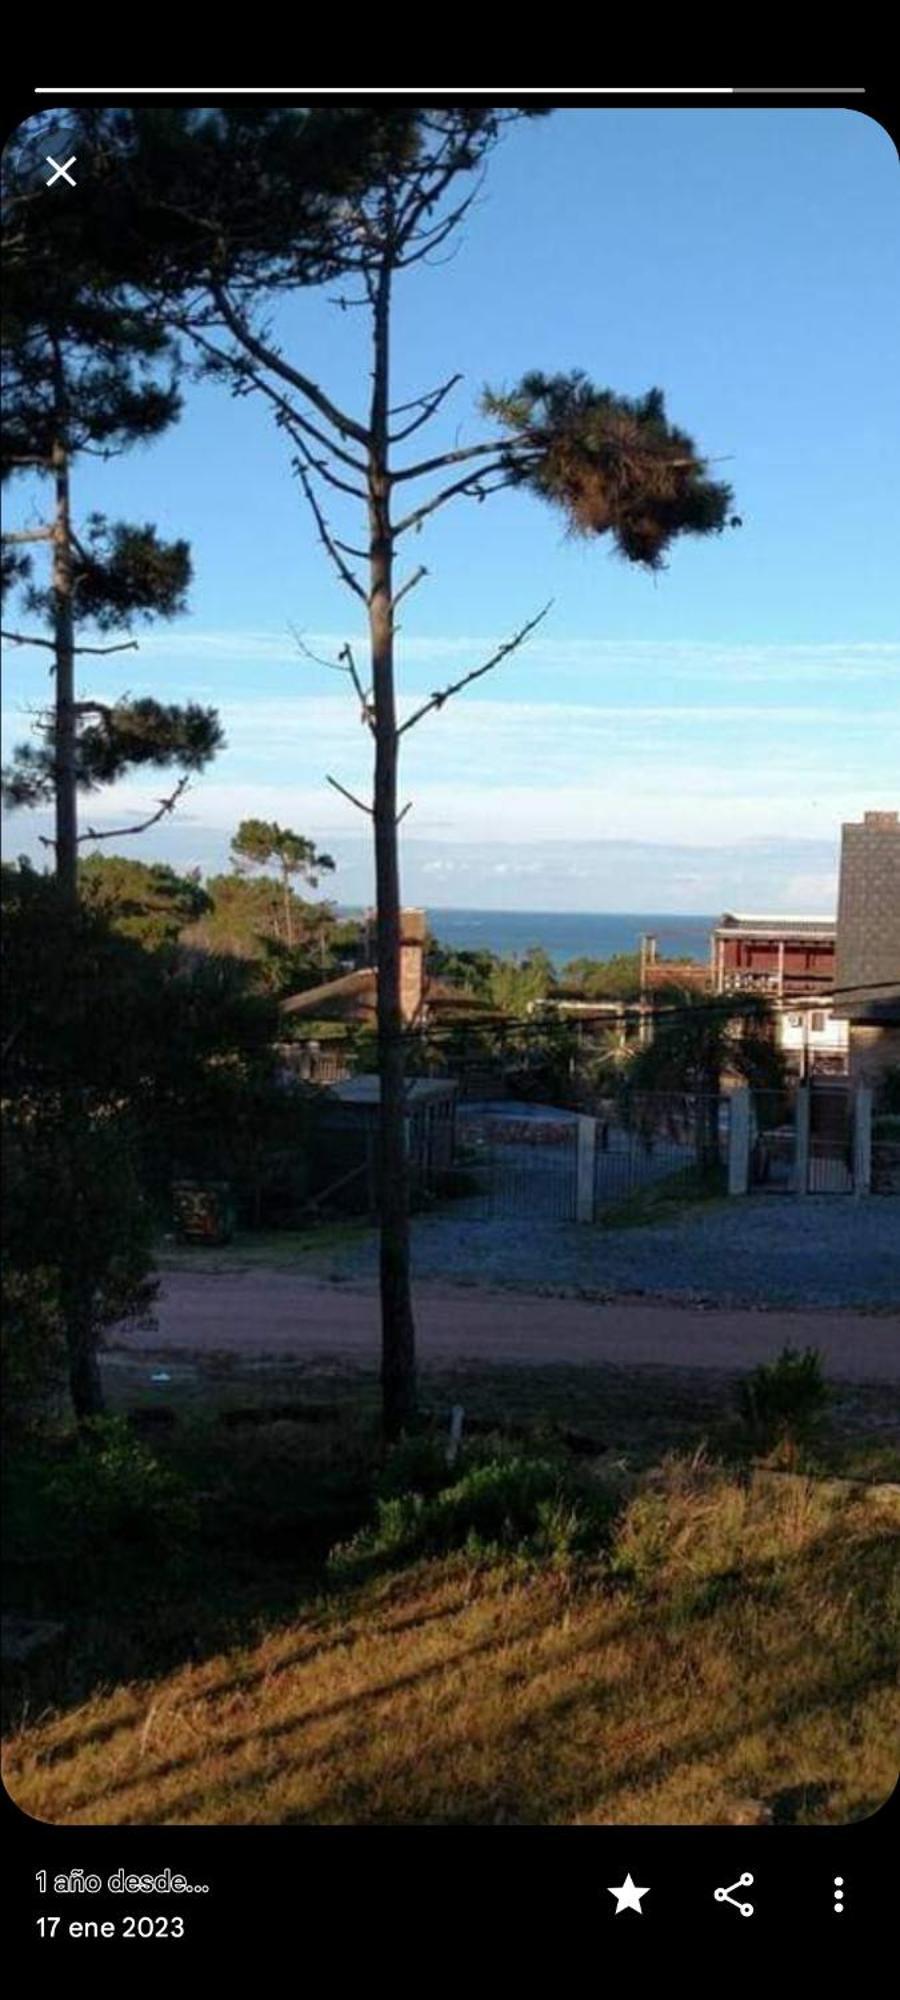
790 961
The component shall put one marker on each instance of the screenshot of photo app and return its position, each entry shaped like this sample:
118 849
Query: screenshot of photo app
451 1013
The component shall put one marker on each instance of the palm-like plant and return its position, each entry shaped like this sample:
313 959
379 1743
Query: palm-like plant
699 1040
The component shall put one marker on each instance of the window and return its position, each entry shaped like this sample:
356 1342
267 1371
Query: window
817 1024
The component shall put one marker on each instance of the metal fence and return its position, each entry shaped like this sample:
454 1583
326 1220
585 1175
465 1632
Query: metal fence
830 1160
773 1141
821 1155
516 1161
679 1140
520 1160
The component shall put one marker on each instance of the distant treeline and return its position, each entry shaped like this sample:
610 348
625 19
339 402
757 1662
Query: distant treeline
298 942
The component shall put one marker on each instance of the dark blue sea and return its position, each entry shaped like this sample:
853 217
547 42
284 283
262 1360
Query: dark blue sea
568 934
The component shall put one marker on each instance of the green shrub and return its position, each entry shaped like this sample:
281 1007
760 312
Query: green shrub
111 1498
785 1400
33 1352
495 1502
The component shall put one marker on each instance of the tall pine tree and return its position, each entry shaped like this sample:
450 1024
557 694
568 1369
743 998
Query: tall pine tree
247 207
85 374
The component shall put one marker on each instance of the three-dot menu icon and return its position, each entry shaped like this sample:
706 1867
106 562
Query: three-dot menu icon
838 1895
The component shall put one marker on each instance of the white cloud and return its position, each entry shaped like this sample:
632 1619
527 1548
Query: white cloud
491 772
777 664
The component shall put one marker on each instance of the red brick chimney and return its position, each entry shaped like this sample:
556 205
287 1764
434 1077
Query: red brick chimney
412 964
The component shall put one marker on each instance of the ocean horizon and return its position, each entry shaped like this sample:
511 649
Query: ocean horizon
568 934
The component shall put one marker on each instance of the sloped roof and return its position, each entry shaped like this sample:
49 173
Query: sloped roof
361 987
357 992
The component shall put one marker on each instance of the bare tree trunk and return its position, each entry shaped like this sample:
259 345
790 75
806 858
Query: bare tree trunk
64 727
398 1338
288 922
85 1385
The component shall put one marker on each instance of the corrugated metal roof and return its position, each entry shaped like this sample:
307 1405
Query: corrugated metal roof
367 1090
775 926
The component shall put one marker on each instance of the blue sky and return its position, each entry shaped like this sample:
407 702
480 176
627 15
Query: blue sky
687 741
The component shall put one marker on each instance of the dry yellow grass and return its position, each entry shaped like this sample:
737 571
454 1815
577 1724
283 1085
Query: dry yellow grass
738 1652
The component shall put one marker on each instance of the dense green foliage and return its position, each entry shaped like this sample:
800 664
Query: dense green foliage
85 371
617 978
613 464
128 1063
784 1401
145 901
699 1039
496 1501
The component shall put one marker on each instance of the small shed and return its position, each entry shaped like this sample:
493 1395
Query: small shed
349 1133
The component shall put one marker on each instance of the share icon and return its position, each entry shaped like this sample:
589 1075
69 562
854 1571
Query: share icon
725 1895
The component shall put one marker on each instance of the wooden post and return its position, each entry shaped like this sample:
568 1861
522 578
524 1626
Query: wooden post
801 1139
739 1142
455 1439
584 1183
862 1139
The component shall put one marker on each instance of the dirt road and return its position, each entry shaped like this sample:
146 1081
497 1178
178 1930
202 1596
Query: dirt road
261 1313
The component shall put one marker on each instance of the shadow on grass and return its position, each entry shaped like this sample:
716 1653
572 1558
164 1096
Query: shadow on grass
400 1790
273 1501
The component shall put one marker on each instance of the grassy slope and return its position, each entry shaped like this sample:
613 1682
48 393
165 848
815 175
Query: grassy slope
733 1657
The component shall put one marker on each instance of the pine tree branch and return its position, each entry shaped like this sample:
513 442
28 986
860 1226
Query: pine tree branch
432 184
323 470
30 535
345 425
409 585
31 639
432 239
354 801
469 484
445 458
327 539
344 664
509 646
318 466
289 418
120 832
347 662
292 420
426 405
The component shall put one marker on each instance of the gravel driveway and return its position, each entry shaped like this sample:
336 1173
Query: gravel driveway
827 1250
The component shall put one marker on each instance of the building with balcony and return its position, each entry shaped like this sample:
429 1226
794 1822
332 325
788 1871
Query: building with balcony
783 957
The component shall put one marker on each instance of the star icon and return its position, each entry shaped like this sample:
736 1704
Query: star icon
628 1897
